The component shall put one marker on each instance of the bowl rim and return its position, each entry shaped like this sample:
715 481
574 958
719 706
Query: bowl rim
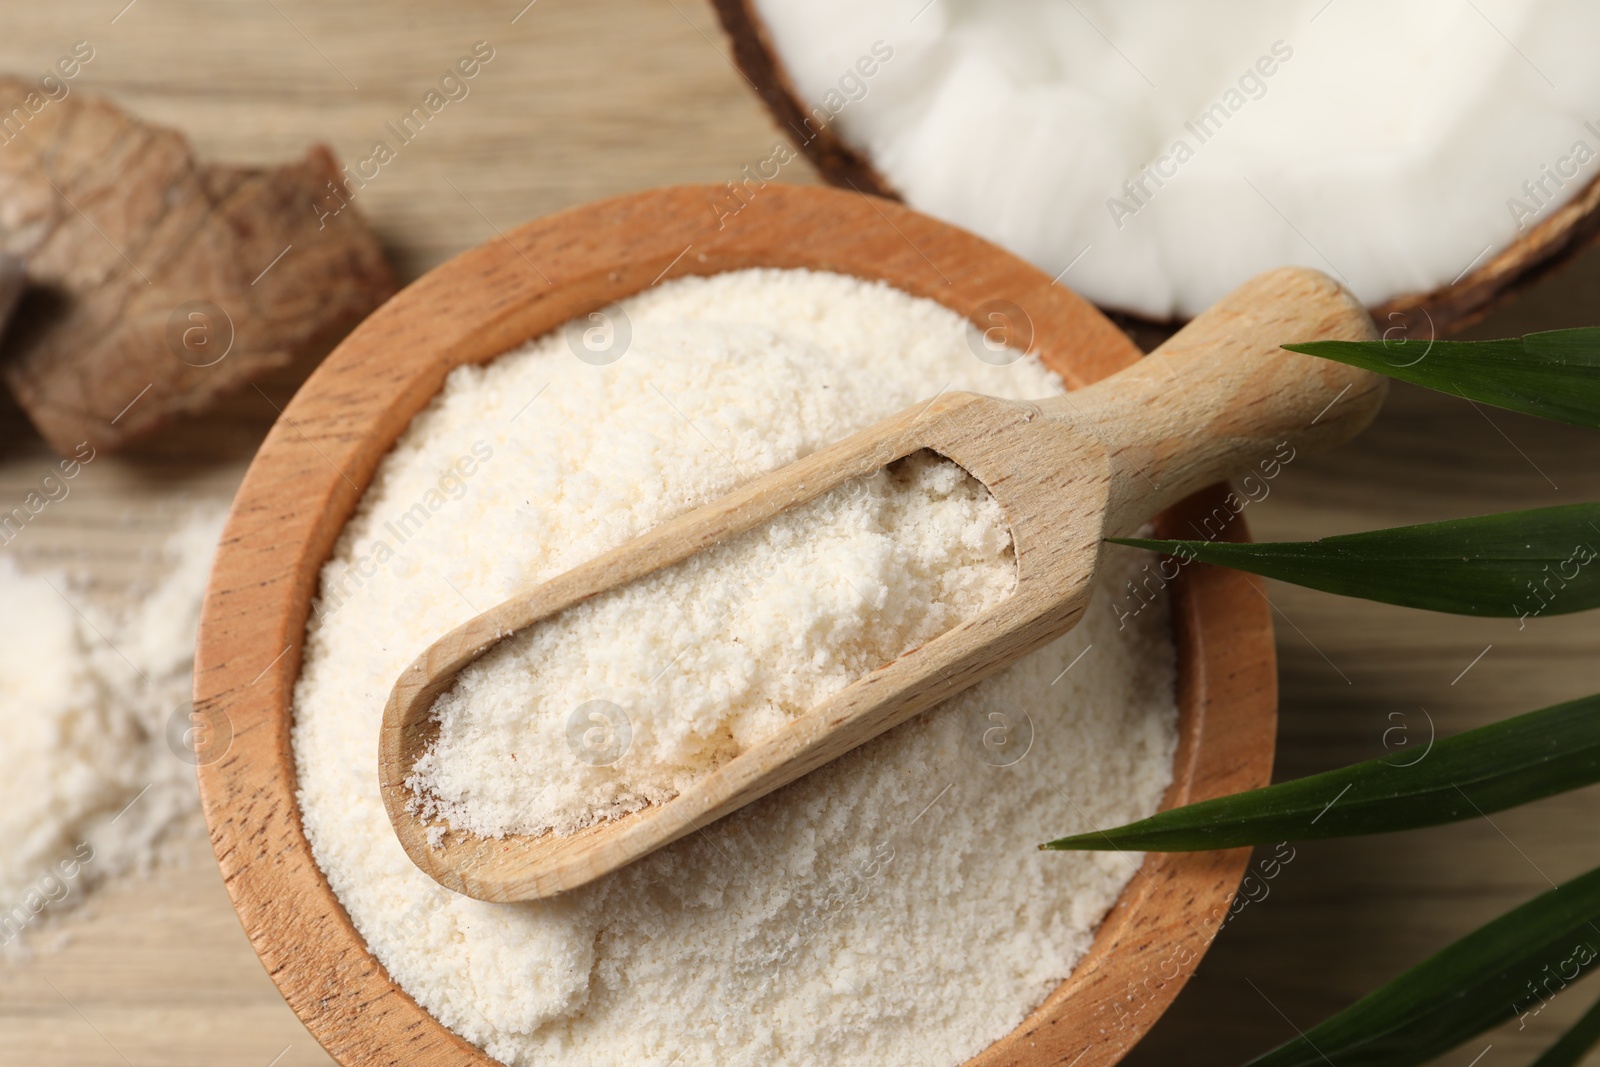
321 454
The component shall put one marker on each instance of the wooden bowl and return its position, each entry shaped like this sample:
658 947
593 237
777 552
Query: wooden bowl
320 457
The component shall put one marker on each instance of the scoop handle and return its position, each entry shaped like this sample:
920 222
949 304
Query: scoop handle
1221 398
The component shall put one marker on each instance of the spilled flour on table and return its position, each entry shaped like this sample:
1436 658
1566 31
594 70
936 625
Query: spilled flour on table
92 782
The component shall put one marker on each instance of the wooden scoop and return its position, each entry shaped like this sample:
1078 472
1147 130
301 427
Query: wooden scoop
1068 471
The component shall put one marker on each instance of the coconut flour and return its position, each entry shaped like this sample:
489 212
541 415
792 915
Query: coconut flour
890 907
94 780
627 698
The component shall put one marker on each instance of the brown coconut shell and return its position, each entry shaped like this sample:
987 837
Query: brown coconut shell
839 163
1436 313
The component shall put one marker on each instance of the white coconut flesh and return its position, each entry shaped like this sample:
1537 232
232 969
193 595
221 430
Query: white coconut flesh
1160 152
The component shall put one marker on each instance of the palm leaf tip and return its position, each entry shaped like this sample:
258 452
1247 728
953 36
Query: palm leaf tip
1518 564
1506 969
1553 375
1575 1043
1422 782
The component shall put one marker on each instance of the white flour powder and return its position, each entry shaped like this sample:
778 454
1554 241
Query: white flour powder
889 908
91 784
629 697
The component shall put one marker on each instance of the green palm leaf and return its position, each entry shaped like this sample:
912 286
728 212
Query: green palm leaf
1505 969
1474 773
1524 564
1514 564
1555 375
1574 1043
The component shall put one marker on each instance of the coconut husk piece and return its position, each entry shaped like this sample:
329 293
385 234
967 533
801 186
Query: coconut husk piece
157 283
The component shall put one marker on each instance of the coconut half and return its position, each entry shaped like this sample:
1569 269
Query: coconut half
1153 154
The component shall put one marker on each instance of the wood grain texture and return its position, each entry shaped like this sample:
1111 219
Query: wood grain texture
306 479
1067 472
161 969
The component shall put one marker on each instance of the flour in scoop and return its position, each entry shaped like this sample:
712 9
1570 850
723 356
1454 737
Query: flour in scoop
628 698
889 908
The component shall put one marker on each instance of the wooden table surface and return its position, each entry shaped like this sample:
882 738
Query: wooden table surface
588 100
